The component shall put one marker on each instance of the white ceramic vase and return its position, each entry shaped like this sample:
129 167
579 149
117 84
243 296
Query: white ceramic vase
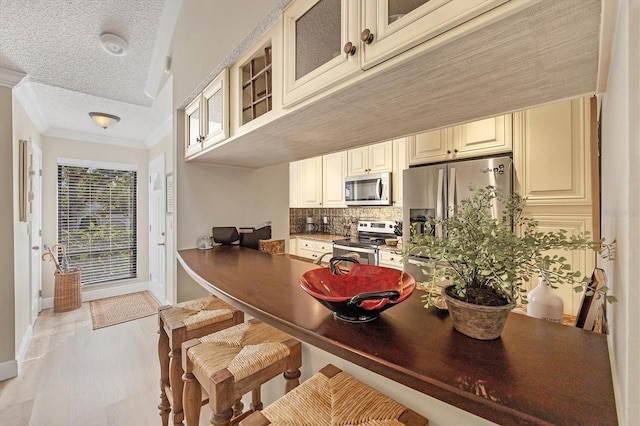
544 301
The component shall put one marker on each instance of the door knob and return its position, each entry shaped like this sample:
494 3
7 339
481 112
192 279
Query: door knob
160 244
349 49
366 36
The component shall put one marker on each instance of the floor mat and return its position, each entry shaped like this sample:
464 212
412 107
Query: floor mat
119 309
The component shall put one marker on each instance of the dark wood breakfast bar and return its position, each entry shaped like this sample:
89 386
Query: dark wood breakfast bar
537 372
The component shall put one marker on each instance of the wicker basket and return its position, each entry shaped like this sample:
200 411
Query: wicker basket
67 295
271 246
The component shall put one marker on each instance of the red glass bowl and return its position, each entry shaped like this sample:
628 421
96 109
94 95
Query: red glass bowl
360 294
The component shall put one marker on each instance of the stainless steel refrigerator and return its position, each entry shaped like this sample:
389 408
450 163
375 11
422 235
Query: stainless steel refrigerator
434 191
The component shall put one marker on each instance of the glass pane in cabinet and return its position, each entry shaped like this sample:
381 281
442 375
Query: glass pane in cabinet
318 36
398 8
214 106
194 127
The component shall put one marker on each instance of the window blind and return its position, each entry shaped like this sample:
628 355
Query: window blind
97 221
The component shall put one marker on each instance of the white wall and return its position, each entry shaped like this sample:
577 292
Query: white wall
621 205
209 195
8 172
55 148
23 128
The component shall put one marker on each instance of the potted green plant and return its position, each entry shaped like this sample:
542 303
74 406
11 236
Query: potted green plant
489 261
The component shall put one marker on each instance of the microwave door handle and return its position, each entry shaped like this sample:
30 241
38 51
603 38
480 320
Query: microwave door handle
379 188
452 191
440 201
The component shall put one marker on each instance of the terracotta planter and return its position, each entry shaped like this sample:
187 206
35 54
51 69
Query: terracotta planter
477 321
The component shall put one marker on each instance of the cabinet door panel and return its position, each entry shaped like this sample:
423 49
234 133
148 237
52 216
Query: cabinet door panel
310 182
400 25
581 260
488 136
192 127
215 99
400 163
429 147
334 169
357 161
379 157
553 161
315 33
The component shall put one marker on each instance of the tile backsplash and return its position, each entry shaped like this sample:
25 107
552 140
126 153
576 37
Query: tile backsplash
338 218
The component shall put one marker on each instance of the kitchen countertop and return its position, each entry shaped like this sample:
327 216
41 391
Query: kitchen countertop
536 372
318 236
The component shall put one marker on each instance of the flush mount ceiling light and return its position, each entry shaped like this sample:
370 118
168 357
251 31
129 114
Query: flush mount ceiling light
113 44
104 120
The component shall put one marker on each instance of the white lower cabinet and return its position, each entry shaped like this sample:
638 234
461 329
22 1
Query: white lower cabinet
313 249
390 259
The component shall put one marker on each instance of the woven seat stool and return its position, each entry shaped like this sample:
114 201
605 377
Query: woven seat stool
333 397
177 324
233 362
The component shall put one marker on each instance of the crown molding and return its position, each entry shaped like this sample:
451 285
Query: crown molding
9 78
27 98
90 137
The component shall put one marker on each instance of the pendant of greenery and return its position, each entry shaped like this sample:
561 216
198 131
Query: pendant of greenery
491 261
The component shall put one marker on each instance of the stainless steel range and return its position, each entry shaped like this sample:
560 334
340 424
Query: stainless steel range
371 235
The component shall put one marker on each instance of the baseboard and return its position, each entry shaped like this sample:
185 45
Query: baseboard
102 293
8 369
24 344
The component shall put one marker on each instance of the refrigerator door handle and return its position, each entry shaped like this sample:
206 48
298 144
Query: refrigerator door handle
452 191
440 202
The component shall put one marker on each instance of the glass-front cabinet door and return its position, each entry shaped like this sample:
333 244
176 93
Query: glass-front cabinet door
321 46
391 27
215 99
193 130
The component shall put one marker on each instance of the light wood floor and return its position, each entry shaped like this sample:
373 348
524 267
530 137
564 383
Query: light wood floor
74 375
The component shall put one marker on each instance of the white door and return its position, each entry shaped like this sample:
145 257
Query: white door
157 208
35 230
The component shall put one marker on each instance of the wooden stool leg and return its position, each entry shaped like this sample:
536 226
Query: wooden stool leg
222 398
238 406
175 379
192 399
292 374
256 399
163 356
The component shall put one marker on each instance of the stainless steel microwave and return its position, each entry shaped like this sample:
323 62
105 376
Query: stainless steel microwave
368 190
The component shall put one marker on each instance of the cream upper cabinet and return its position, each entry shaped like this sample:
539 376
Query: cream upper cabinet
328 41
400 163
308 182
489 136
255 83
430 147
293 185
374 158
391 27
193 131
334 170
207 116
316 35
484 137
552 157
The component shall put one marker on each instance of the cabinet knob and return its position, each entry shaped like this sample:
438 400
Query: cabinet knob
366 36
448 151
349 49
455 151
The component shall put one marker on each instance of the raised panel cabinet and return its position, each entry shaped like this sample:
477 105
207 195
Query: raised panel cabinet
400 163
391 27
489 136
430 147
309 182
375 158
552 159
334 170
581 260
316 34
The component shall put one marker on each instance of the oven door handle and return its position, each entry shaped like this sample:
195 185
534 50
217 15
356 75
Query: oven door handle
356 249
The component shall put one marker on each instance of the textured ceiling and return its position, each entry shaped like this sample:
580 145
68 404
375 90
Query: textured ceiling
56 43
